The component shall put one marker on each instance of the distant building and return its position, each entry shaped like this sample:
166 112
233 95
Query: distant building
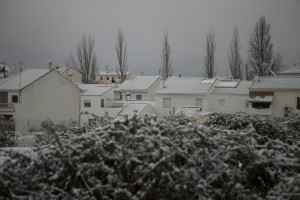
72 74
35 95
109 77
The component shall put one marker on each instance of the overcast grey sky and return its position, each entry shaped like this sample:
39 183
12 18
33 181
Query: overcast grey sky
36 31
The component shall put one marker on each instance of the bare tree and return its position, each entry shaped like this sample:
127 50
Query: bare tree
277 65
121 49
248 74
234 57
260 47
210 55
166 69
86 60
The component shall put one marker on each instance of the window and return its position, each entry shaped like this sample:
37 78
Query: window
128 96
198 102
167 102
298 103
87 103
102 103
138 97
15 98
107 78
101 78
261 105
221 103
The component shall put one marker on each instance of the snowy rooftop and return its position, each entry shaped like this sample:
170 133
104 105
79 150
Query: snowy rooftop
186 85
188 111
20 81
94 89
129 109
291 70
140 83
272 83
241 87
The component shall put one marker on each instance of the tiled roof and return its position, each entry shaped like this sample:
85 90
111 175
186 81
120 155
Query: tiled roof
186 85
241 88
93 89
140 83
276 83
23 79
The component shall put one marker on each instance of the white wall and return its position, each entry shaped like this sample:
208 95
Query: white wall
178 100
52 96
282 99
233 103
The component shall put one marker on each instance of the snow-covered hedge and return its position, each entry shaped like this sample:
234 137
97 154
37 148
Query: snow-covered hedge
7 135
153 158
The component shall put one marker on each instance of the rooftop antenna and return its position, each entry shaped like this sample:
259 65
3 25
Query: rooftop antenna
265 65
20 64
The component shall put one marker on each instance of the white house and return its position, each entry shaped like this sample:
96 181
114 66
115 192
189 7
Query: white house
95 101
35 95
274 96
142 88
230 96
183 91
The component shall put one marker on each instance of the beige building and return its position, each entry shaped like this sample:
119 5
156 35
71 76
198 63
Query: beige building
35 95
109 77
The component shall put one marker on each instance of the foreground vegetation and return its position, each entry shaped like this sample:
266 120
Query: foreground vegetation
230 157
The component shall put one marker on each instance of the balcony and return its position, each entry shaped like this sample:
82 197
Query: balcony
7 107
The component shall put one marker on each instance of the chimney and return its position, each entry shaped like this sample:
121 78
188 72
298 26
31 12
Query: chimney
50 64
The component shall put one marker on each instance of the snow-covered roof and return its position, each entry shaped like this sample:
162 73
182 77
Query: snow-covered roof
186 85
23 79
290 70
94 89
188 111
241 88
140 83
276 83
131 108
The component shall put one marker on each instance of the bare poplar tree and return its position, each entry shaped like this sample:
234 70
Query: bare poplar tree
277 63
86 60
121 49
234 57
210 54
166 69
260 47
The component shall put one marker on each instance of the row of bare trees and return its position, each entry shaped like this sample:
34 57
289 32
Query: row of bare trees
86 60
260 55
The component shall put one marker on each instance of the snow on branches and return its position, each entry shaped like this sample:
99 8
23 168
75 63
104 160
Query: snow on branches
154 158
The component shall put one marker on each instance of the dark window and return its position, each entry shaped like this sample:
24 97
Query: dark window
102 103
87 104
14 98
298 103
101 78
138 97
107 78
261 105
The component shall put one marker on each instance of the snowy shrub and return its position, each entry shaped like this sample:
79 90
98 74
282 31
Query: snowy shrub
7 134
181 119
154 158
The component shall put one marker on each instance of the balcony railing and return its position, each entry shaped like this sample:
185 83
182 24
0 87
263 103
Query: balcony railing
7 107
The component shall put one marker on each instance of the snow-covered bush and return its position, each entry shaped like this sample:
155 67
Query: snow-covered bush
7 134
154 158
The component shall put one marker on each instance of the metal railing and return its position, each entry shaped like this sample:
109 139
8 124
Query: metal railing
7 107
